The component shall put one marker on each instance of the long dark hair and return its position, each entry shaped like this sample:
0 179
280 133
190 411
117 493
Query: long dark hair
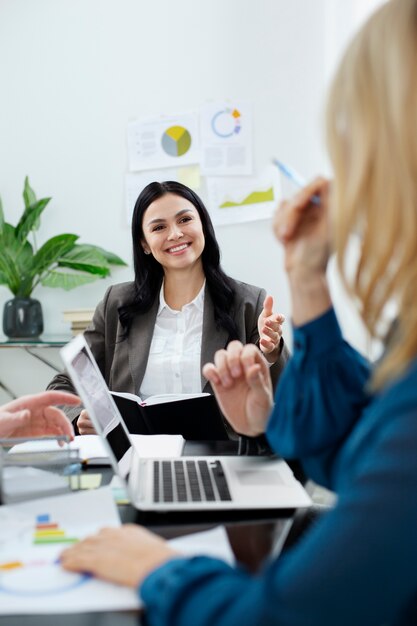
149 273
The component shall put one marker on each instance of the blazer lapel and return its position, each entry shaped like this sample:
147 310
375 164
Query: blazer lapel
139 342
212 339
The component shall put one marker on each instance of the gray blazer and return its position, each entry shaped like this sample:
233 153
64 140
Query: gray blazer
123 362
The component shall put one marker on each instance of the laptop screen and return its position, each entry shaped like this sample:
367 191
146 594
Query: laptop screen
99 403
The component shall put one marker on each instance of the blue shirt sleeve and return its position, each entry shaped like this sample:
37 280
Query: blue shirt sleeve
320 397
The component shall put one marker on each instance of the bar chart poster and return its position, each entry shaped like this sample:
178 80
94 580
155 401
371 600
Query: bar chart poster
32 537
243 199
165 141
226 138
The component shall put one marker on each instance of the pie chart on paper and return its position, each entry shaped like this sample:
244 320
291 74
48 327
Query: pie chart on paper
176 141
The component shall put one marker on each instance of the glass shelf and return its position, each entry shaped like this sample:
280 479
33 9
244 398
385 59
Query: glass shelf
37 348
44 341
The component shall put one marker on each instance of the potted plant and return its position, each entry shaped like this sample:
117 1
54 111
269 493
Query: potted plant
59 262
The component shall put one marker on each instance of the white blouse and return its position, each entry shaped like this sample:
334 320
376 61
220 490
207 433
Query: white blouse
175 354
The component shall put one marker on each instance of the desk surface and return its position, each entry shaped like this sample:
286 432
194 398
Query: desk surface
252 536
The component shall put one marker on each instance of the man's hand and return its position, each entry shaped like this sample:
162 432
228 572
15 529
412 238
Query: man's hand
35 415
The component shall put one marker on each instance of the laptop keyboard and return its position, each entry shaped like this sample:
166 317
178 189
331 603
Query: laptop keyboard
190 481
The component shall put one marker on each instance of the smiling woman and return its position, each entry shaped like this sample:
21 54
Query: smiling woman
173 235
153 335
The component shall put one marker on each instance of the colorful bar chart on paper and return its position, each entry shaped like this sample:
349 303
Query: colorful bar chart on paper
47 531
33 535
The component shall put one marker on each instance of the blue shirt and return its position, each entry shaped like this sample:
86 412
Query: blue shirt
357 566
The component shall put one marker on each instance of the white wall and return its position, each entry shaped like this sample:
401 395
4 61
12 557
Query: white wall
74 72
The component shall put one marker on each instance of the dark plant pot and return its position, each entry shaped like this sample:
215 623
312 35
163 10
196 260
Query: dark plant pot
22 318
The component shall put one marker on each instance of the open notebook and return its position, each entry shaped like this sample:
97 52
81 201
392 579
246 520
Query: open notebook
92 450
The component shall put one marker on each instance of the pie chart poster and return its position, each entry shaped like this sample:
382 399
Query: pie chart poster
163 142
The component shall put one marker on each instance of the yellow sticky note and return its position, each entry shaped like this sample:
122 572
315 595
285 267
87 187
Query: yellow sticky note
85 481
190 176
120 496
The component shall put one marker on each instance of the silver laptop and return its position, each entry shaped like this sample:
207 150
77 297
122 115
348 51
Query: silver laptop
183 483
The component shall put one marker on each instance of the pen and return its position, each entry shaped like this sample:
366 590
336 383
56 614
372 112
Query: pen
294 177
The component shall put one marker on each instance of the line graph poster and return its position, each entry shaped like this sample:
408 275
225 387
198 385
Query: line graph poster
226 138
165 141
32 536
243 199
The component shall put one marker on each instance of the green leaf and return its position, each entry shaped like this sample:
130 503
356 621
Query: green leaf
8 238
9 271
20 257
83 252
84 267
26 287
30 218
29 196
52 250
67 280
85 258
1 218
112 259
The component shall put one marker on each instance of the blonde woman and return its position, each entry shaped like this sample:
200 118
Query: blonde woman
353 428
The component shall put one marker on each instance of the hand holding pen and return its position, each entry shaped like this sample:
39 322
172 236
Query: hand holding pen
311 201
294 177
301 224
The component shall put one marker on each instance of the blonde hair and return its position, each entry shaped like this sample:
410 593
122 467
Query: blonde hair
372 141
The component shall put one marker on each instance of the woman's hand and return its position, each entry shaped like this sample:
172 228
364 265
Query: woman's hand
124 556
35 415
302 227
84 424
270 331
242 385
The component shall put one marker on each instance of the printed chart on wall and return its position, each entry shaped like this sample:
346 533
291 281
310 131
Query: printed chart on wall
226 138
136 181
166 141
32 536
243 199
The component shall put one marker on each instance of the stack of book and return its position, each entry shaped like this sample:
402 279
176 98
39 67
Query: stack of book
79 319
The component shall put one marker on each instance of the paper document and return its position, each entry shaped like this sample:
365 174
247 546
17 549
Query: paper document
243 199
154 446
32 536
226 138
163 141
213 543
90 447
92 450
